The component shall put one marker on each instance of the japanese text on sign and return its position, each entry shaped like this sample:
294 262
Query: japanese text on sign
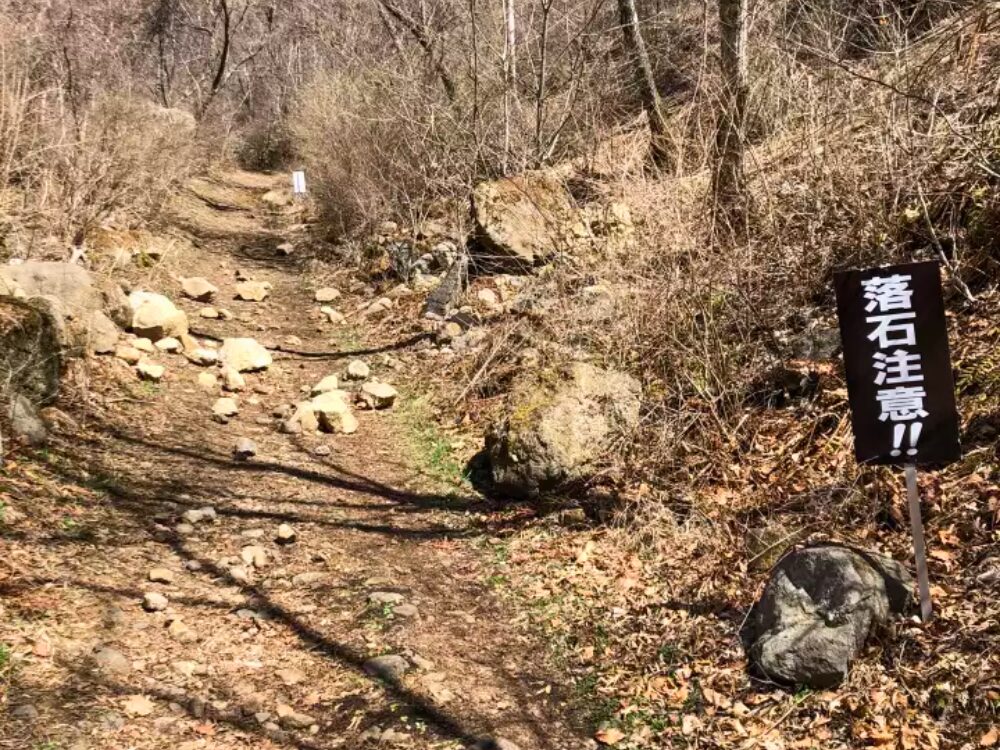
897 370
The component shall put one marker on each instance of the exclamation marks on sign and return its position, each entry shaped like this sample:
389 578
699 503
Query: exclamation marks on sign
899 432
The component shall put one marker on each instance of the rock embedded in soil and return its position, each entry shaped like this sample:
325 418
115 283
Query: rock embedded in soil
378 395
161 575
818 609
151 371
254 555
385 597
207 381
181 632
333 315
327 294
245 355
153 601
202 356
253 291
329 383
357 370
232 379
291 676
289 718
488 297
198 288
244 449
405 610
155 316
225 408
343 423
209 313
389 667
112 661
169 345
128 354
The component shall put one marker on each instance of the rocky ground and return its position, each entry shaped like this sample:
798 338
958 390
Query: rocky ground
183 566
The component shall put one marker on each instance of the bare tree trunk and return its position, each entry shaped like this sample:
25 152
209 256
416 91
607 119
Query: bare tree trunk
419 33
540 91
642 72
509 72
730 180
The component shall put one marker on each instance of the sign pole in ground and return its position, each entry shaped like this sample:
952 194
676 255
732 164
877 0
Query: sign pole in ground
899 379
919 549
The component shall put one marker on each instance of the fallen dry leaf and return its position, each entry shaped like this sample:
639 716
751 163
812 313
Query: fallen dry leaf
990 738
609 736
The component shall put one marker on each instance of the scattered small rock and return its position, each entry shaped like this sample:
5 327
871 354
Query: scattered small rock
239 574
112 661
169 345
184 529
289 718
254 555
357 370
405 610
198 288
284 249
25 712
286 534
224 408
327 294
150 371
322 450
385 597
245 449
128 354
232 379
293 341
329 383
253 291
494 743
197 515
202 356
488 297
388 667
245 355
181 633
153 601
291 676
210 313
161 575
332 315
144 345
378 395
307 578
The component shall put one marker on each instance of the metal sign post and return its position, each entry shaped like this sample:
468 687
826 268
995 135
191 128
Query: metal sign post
298 183
899 378
919 549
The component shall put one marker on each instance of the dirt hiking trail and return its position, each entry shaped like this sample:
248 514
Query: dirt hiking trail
258 644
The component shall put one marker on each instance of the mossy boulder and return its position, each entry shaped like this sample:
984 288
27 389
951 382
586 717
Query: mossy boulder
560 427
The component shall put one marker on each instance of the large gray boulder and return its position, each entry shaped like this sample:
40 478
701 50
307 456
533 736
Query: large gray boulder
559 427
819 608
76 303
521 221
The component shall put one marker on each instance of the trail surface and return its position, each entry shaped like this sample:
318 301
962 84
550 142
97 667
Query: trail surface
268 647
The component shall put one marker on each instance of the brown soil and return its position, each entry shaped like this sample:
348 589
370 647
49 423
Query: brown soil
88 518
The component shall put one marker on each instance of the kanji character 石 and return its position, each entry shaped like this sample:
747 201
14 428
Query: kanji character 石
899 367
902 404
892 331
888 293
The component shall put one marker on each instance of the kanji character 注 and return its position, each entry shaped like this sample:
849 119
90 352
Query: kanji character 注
892 323
902 404
899 367
888 293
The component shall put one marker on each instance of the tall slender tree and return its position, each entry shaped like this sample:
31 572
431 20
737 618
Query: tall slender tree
642 74
730 178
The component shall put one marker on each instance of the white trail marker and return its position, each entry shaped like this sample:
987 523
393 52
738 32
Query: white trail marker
298 182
